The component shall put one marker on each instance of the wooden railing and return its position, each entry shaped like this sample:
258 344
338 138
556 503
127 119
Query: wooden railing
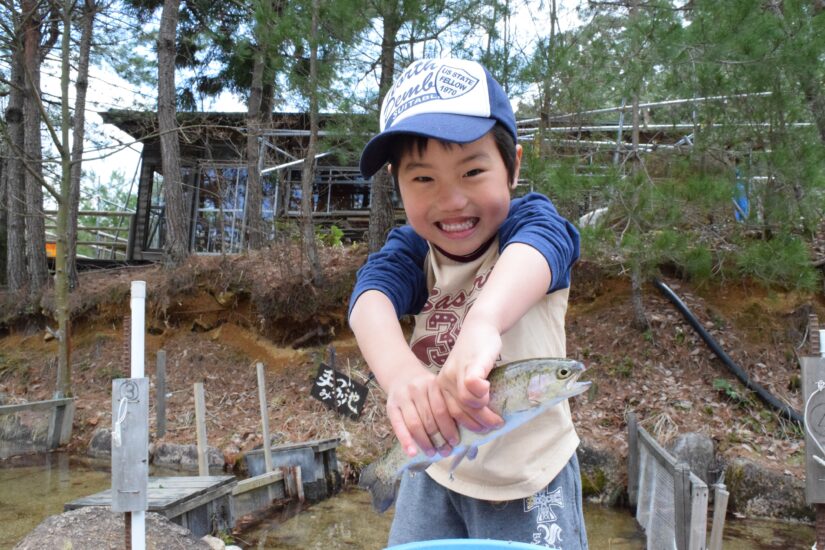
60 420
671 501
97 239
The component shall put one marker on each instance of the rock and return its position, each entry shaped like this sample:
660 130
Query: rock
758 492
603 473
698 452
100 445
214 542
185 457
100 528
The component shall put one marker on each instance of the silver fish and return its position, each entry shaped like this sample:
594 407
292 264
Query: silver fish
519 392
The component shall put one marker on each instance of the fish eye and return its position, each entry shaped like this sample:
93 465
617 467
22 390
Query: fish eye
564 373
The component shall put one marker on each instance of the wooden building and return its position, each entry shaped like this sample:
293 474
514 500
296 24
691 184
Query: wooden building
214 171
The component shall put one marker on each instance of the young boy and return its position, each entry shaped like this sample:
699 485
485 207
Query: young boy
449 135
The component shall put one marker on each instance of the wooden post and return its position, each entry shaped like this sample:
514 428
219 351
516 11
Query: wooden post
264 416
160 373
698 528
681 508
293 483
720 508
632 460
200 420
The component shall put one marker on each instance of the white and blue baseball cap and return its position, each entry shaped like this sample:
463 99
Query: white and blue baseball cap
454 100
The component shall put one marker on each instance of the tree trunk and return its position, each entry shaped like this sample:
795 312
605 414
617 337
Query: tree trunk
61 275
16 276
78 134
176 246
254 191
815 97
4 211
382 215
308 171
35 222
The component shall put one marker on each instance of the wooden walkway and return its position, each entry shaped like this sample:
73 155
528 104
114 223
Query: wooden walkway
201 504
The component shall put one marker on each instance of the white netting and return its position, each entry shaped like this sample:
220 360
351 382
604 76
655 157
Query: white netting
655 510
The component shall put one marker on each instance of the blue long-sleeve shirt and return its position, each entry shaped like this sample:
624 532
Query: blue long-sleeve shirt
397 270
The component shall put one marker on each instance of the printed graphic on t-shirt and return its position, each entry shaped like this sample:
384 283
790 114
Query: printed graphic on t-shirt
440 319
548 532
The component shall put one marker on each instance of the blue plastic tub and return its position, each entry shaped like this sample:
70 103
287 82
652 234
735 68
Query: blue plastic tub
465 544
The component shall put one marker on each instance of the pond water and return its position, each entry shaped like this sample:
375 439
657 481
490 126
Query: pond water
32 490
37 487
347 521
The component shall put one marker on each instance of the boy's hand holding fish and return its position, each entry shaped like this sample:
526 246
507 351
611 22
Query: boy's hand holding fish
417 411
463 378
520 391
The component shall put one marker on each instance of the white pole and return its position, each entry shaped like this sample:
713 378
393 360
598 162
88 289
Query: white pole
822 343
138 324
138 305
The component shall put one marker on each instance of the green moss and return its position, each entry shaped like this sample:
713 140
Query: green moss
594 485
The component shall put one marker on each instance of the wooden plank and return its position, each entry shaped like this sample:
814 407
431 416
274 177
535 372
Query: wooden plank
183 506
681 509
160 393
632 459
698 513
200 420
164 492
246 485
35 405
813 371
658 452
264 416
720 508
130 457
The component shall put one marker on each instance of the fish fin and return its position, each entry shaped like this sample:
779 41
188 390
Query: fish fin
382 493
418 467
457 460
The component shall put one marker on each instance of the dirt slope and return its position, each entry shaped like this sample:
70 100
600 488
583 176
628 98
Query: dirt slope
216 317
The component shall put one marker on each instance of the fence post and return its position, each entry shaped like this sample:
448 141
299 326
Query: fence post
264 416
720 508
632 460
160 373
200 420
681 508
698 510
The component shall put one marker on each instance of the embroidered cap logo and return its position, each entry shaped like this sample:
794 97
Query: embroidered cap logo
426 82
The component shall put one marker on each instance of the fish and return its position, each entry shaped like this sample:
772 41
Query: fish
519 392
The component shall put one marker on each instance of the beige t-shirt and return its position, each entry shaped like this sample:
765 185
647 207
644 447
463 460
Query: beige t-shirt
524 461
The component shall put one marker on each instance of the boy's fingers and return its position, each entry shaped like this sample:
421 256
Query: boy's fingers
445 425
475 380
405 439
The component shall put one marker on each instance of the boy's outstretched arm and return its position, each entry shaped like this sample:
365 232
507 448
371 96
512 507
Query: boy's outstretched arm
518 281
539 248
415 405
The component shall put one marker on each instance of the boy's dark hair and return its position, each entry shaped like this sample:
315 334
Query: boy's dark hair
404 144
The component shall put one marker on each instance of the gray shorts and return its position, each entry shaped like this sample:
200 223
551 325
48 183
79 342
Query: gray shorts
553 517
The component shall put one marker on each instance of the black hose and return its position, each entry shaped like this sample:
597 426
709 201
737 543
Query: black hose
763 394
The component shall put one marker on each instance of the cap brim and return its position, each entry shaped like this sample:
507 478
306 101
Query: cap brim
441 126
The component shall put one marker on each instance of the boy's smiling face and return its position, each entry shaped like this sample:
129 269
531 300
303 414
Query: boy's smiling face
456 196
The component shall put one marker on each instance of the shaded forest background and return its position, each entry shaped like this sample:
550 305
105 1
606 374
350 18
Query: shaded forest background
751 75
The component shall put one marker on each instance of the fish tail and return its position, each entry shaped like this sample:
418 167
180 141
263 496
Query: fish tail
382 492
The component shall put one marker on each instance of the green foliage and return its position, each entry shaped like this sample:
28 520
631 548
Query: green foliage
330 236
724 386
783 261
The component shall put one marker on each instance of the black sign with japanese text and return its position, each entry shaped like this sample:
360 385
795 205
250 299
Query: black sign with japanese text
339 392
